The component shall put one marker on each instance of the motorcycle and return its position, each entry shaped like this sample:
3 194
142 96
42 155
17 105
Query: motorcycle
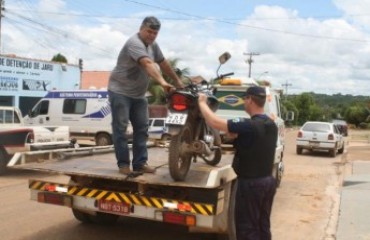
191 137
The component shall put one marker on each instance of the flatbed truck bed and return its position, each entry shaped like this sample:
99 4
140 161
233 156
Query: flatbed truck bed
97 192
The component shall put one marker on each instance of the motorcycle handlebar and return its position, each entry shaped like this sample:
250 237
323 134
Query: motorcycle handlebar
225 75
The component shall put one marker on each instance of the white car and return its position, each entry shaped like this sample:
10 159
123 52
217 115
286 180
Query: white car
157 129
320 136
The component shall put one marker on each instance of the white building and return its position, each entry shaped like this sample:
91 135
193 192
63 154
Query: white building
24 81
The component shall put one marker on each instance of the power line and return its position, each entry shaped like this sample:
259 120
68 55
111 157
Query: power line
248 26
225 21
58 32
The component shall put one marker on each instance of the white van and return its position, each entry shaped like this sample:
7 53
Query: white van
86 112
229 94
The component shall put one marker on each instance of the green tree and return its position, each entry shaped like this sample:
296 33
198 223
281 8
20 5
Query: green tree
356 114
158 96
288 106
316 113
304 102
59 58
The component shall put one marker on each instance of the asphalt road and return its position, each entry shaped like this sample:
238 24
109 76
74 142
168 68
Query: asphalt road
305 207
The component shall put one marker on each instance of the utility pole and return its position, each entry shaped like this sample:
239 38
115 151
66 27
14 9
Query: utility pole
250 60
1 16
286 85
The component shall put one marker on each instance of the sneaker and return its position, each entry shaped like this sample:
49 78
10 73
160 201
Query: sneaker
146 169
125 170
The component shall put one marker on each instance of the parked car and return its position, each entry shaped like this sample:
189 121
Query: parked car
342 126
157 129
16 136
320 136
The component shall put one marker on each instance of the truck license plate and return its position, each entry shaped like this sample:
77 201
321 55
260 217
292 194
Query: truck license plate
114 207
176 118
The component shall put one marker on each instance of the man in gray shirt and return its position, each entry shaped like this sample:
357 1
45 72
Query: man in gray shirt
137 62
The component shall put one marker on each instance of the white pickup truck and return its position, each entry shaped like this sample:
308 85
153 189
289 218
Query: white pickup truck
15 136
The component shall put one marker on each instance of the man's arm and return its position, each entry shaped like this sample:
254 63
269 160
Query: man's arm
152 70
211 118
167 69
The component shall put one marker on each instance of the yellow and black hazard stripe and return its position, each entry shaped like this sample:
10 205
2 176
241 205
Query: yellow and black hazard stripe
128 198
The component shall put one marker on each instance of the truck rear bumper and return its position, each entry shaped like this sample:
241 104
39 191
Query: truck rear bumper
205 215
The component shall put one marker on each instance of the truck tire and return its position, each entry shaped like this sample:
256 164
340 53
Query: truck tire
299 150
178 161
103 139
231 212
4 158
104 218
277 173
81 216
98 218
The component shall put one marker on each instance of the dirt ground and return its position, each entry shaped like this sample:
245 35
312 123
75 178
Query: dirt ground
307 203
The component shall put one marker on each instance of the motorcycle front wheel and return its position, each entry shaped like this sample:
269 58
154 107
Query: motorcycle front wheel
179 160
216 155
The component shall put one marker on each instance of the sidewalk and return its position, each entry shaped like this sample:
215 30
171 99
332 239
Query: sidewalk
354 212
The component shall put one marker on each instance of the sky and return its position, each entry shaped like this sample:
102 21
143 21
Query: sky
320 46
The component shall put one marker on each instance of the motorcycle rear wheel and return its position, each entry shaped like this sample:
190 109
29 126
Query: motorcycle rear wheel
179 161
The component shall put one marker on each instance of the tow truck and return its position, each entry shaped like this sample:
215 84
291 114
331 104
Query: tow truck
96 192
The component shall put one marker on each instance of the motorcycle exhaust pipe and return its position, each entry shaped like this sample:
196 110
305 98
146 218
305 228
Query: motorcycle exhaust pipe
201 147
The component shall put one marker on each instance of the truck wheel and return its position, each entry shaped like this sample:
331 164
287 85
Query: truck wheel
299 150
4 158
81 216
277 172
231 212
103 139
179 161
104 218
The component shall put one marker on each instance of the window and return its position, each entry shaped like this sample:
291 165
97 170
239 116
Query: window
9 116
74 106
316 127
44 107
158 123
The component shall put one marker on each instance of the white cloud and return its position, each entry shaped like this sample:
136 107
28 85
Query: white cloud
311 54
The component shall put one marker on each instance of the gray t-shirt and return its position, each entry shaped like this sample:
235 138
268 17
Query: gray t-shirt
129 77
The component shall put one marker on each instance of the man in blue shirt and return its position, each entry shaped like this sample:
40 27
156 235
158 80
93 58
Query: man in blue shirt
255 145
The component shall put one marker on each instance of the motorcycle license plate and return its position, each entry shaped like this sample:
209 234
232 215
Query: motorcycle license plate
176 118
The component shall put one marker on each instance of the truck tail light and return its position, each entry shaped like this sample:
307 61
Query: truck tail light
331 136
178 218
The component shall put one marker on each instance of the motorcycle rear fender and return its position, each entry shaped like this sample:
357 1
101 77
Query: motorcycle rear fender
174 129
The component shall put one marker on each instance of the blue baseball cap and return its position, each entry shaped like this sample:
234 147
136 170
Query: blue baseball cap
255 91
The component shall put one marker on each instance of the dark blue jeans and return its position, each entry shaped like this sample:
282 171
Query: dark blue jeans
135 110
254 198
